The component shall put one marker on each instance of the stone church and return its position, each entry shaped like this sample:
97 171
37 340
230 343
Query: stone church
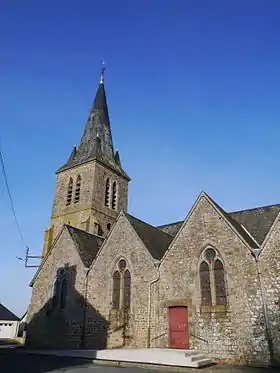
110 280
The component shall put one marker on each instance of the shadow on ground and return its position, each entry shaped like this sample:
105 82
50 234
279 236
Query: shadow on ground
16 361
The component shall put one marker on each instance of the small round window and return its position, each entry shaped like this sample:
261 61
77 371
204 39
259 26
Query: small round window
210 254
122 265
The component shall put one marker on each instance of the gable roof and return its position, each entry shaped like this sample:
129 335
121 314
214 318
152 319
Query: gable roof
243 233
86 243
6 314
171 228
156 241
257 221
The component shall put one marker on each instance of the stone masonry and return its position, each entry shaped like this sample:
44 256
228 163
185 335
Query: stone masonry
62 329
124 243
235 334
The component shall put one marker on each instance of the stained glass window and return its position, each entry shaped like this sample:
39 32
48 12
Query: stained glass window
127 285
220 283
116 289
205 286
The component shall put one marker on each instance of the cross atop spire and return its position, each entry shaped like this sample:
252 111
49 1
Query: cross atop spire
102 73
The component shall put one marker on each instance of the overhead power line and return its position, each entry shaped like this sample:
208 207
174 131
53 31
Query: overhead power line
11 199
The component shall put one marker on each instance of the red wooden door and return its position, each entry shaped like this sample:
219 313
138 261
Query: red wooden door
178 327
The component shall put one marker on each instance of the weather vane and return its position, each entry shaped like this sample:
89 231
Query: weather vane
102 72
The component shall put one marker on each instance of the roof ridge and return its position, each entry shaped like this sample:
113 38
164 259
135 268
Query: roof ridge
150 225
175 222
255 208
240 229
81 230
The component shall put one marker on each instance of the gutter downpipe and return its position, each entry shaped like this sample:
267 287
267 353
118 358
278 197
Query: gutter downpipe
84 309
256 253
150 305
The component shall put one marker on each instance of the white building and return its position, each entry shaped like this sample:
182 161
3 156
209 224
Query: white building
9 323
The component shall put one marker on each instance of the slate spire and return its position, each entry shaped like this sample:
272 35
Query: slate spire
96 142
97 129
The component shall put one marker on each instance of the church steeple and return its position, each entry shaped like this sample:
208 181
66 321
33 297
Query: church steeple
92 187
96 142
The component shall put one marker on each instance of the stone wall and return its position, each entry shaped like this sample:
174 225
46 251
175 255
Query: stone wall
61 329
124 330
270 272
236 335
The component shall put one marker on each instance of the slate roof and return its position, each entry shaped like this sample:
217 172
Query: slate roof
171 228
87 244
156 241
96 142
7 315
236 225
257 221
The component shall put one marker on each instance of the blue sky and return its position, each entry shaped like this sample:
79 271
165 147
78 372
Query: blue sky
193 93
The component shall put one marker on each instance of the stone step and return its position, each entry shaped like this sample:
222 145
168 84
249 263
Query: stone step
202 363
191 352
198 357
155 356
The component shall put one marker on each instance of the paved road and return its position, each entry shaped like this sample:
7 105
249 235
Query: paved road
12 361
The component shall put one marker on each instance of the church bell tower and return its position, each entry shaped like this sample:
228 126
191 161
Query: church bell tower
91 187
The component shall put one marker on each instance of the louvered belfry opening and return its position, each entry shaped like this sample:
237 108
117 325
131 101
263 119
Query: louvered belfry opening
69 192
114 195
107 193
78 189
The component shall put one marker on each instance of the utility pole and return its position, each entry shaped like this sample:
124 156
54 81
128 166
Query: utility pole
27 257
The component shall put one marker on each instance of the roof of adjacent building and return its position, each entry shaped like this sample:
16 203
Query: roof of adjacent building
256 221
87 244
6 314
96 142
155 240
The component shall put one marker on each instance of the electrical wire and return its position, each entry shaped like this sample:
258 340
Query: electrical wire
11 199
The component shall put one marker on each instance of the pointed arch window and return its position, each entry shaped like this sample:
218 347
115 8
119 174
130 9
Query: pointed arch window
114 195
59 292
116 289
63 293
212 279
219 279
206 297
69 192
121 295
126 289
78 189
107 193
